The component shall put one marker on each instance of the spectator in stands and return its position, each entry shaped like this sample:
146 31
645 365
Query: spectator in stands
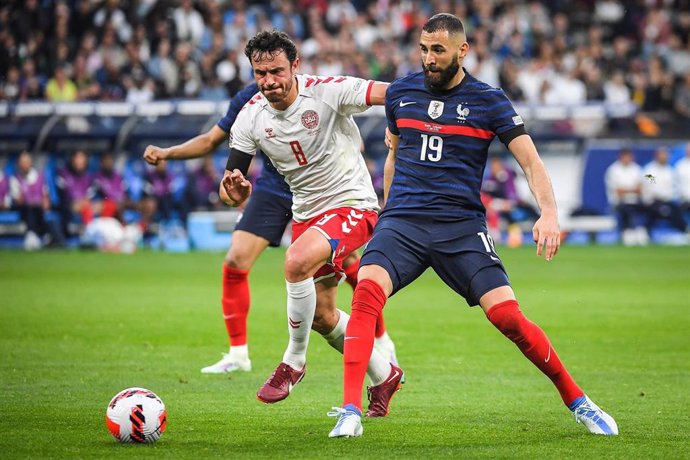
60 88
4 192
29 195
681 101
74 185
10 87
158 203
683 181
503 204
87 86
189 25
615 89
624 189
140 88
109 190
659 193
201 191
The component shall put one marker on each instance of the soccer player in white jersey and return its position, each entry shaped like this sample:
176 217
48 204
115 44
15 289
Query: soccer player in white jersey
304 125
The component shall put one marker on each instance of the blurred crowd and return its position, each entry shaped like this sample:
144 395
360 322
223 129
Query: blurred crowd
551 52
58 202
641 196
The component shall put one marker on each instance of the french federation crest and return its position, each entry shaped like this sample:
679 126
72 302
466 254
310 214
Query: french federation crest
435 109
463 112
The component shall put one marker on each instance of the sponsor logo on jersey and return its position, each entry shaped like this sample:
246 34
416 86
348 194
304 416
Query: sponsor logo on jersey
463 112
435 109
517 120
269 133
310 119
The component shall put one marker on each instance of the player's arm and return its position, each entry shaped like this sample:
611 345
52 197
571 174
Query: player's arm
198 146
546 231
377 95
235 188
389 166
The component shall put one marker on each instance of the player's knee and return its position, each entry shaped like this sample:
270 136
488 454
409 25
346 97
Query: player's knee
507 318
238 260
297 266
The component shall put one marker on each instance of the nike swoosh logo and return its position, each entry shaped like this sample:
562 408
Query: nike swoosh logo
495 259
548 357
348 338
395 375
403 104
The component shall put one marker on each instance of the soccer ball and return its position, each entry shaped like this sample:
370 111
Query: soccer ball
136 415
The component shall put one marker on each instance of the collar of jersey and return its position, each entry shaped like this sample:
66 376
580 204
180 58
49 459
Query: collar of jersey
455 88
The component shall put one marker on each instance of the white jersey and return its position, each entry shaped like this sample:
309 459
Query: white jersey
623 177
314 143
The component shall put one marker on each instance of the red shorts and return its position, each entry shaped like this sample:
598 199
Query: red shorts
346 229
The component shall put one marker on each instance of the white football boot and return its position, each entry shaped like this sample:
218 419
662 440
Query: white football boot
228 363
349 423
596 420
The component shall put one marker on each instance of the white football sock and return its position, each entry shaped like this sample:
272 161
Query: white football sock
301 305
239 352
378 370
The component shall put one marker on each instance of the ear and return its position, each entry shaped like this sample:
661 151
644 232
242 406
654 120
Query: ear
464 49
295 65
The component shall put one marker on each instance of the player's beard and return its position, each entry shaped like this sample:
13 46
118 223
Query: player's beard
440 78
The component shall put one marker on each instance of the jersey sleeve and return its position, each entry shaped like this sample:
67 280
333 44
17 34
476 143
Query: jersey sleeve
349 95
236 103
241 137
505 121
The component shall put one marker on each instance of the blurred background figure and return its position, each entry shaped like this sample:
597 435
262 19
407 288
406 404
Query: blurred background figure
624 190
159 203
201 191
4 192
505 211
74 184
29 194
659 193
109 190
683 181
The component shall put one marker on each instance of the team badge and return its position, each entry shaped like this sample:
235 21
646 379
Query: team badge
310 119
435 109
463 113
269 133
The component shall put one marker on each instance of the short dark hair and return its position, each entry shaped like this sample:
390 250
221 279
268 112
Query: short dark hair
444 21
270 42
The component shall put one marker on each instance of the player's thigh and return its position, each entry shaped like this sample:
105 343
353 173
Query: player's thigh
467 261
266 215
399 247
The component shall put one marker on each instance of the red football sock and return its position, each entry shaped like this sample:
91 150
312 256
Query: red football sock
351 274
534 344
235 304
367 302
380 326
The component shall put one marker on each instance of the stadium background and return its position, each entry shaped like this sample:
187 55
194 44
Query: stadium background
76 327
588 77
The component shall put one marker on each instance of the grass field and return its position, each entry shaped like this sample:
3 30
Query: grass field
75 328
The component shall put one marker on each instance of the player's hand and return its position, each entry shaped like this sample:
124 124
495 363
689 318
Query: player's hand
547 235
153 154
235 188
387 138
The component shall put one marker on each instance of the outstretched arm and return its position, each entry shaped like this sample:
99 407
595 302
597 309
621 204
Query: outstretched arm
546 231
389 166
198 146
378 93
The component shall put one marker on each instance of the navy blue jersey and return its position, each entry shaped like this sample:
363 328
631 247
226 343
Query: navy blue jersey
270 180
444 139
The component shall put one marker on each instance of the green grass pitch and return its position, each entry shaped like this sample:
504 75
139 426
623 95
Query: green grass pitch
76 328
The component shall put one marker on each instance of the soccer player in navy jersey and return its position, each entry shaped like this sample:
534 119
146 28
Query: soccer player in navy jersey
262 224
442 121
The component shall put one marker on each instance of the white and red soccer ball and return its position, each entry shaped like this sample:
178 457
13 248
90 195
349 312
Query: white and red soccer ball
136 415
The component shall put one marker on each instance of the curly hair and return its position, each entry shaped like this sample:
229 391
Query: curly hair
270 43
